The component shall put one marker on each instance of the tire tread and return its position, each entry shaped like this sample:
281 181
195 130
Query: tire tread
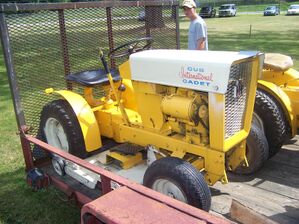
273 118
182 172
63 112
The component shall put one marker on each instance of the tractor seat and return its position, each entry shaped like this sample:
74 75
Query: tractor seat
277 62
93 77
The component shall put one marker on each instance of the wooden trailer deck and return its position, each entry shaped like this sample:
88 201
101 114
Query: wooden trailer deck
273 191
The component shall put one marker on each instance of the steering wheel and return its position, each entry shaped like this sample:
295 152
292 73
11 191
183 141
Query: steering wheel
131 47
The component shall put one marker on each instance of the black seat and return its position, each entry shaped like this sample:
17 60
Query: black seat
93 77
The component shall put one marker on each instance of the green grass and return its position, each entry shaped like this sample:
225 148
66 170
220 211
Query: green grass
18 204
277 34
254 8
247 8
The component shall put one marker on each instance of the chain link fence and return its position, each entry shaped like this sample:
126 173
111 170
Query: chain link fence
46 42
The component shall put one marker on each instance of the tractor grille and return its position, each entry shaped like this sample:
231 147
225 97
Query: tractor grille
51 41
236 97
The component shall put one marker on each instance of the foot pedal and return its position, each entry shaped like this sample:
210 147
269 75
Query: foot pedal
127 149
127 155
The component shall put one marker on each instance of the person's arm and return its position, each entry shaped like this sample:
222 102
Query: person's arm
201 36
201 43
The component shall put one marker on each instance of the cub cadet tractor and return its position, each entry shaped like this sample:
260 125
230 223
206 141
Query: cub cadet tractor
276 111
183 116
279 83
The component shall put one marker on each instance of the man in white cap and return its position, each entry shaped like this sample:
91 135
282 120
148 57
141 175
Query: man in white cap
198 35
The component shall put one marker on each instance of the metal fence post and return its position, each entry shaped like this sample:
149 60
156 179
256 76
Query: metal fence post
12 79
110 34
177 32
64 46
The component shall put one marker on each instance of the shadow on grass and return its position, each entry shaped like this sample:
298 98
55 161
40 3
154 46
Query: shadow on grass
260 40
19 204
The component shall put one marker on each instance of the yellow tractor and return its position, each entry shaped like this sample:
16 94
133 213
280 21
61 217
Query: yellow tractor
280 83
182 115
276 109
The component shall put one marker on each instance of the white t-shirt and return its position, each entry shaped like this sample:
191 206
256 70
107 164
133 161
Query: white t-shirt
197 30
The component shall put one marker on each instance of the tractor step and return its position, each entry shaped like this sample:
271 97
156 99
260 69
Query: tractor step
127 149
126 155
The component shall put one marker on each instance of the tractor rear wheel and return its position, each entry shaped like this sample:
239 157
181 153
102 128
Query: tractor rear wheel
61 129
178 179
273 120
257 151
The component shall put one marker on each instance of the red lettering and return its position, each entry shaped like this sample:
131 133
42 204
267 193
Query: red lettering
197 76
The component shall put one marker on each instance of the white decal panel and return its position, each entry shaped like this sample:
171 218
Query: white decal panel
199 70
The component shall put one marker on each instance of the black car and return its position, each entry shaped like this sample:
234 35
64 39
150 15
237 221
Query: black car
207 11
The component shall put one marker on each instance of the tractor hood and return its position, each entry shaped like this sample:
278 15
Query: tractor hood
206 71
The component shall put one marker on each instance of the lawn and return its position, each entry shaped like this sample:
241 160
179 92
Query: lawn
277 34
19 204
254 8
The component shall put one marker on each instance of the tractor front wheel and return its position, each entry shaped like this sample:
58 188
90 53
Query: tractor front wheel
61 128
178 179
257 151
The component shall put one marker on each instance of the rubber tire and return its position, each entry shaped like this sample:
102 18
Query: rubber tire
190 181
274 120
60 162
257 152
63 112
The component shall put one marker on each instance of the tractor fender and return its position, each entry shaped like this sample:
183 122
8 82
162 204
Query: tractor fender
88 123
283 99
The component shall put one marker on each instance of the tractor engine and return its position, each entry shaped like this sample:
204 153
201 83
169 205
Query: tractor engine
186 113
199 98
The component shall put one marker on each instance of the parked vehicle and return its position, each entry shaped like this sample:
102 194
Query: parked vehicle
227 10
276 111
207 12
293 10
141 15
272 10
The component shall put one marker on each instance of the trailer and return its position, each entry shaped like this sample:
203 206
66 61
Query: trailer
61 40
42 43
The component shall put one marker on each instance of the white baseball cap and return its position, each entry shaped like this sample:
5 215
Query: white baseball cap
189 3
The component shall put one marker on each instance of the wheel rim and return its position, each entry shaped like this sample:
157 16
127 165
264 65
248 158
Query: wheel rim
55 134
256 120
58 167
170 189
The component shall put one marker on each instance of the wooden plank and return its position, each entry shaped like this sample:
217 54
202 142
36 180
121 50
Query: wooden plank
245 215
273 191
280 175
274 206
288 155
274 179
